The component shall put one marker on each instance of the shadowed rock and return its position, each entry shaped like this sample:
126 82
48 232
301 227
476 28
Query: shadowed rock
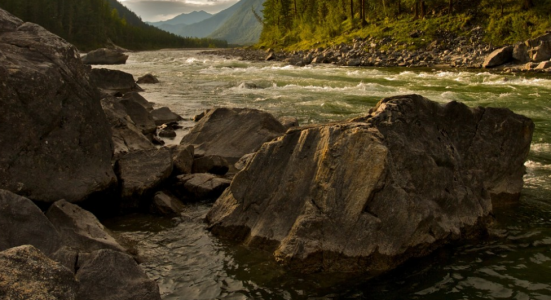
54 135
79 228
201 186
182 156
212 164
370 193
148 79
139 115
114 80
23 223
26 273
166 205
111 275
164 115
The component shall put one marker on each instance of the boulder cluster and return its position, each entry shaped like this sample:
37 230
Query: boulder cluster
359 195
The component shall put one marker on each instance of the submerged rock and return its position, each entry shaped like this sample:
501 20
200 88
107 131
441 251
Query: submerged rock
104 56
370 193
55 139
232 132
26 273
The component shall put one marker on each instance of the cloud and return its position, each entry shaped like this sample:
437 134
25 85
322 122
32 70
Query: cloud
158 10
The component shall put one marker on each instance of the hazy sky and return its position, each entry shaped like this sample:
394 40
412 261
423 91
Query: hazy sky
158 10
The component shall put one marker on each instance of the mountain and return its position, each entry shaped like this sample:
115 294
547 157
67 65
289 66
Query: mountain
185 19
208 26
243 27
90 24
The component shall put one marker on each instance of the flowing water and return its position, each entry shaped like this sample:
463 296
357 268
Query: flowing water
189 263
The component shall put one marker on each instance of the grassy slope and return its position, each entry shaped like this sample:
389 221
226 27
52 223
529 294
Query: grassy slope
242 27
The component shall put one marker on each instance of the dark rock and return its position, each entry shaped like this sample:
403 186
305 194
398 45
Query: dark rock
26 273
148 79
183 156
105 56
54 136
23 223
67 257
114 80
139 115
544 65
140 172
167 132
166 205
198 117
136 97
164 115
270 56
126 136
406 179
498 57
201 186
232 132
247 86
157 140
288 122
212 164
79 228
244 161
111 275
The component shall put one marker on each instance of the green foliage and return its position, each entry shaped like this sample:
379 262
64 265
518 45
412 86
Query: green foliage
89 24
303 24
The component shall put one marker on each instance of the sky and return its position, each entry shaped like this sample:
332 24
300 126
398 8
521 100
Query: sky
160 10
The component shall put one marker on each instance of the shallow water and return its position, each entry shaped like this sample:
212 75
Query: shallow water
189 263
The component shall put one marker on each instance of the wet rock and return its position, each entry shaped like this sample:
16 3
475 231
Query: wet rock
408 178
164 115
243 161
183 156
114 80
232 132
139 115
111 275
136 97
26 273
167 132
125 135
140 172
148 79
201 186
288 122
105 56
23 223
198 117
54 135
166 205
212 164
247 85
79 228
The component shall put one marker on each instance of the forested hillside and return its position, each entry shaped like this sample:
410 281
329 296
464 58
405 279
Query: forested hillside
89 24
299 24
244 26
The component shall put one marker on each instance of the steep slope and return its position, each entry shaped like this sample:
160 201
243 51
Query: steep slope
124 13
208 26
186 19
242 27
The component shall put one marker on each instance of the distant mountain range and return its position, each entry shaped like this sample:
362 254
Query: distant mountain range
236 24
185 19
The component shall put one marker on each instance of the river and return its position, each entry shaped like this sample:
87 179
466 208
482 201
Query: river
189 263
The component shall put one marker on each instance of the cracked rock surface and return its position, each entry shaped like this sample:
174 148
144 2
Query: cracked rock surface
369 193
55 139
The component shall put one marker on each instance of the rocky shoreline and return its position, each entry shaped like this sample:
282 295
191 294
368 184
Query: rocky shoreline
448 51
78 137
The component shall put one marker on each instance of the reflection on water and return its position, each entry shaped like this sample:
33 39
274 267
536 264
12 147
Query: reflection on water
189 263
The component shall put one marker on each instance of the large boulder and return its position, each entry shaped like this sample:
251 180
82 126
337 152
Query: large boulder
54 136
200 186
23 223
212 164
114 80
139 115
233 132
164 115
26 273
112 275
498 57
136 97
126 136
140 172
370 193
79 228
183 156
105 56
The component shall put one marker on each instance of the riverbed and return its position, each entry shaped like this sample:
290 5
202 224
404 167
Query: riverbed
189 263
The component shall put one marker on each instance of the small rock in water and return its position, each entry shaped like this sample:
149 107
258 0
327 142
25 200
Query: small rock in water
148 79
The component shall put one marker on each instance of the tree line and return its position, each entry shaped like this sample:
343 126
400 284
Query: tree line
89 24
291 21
